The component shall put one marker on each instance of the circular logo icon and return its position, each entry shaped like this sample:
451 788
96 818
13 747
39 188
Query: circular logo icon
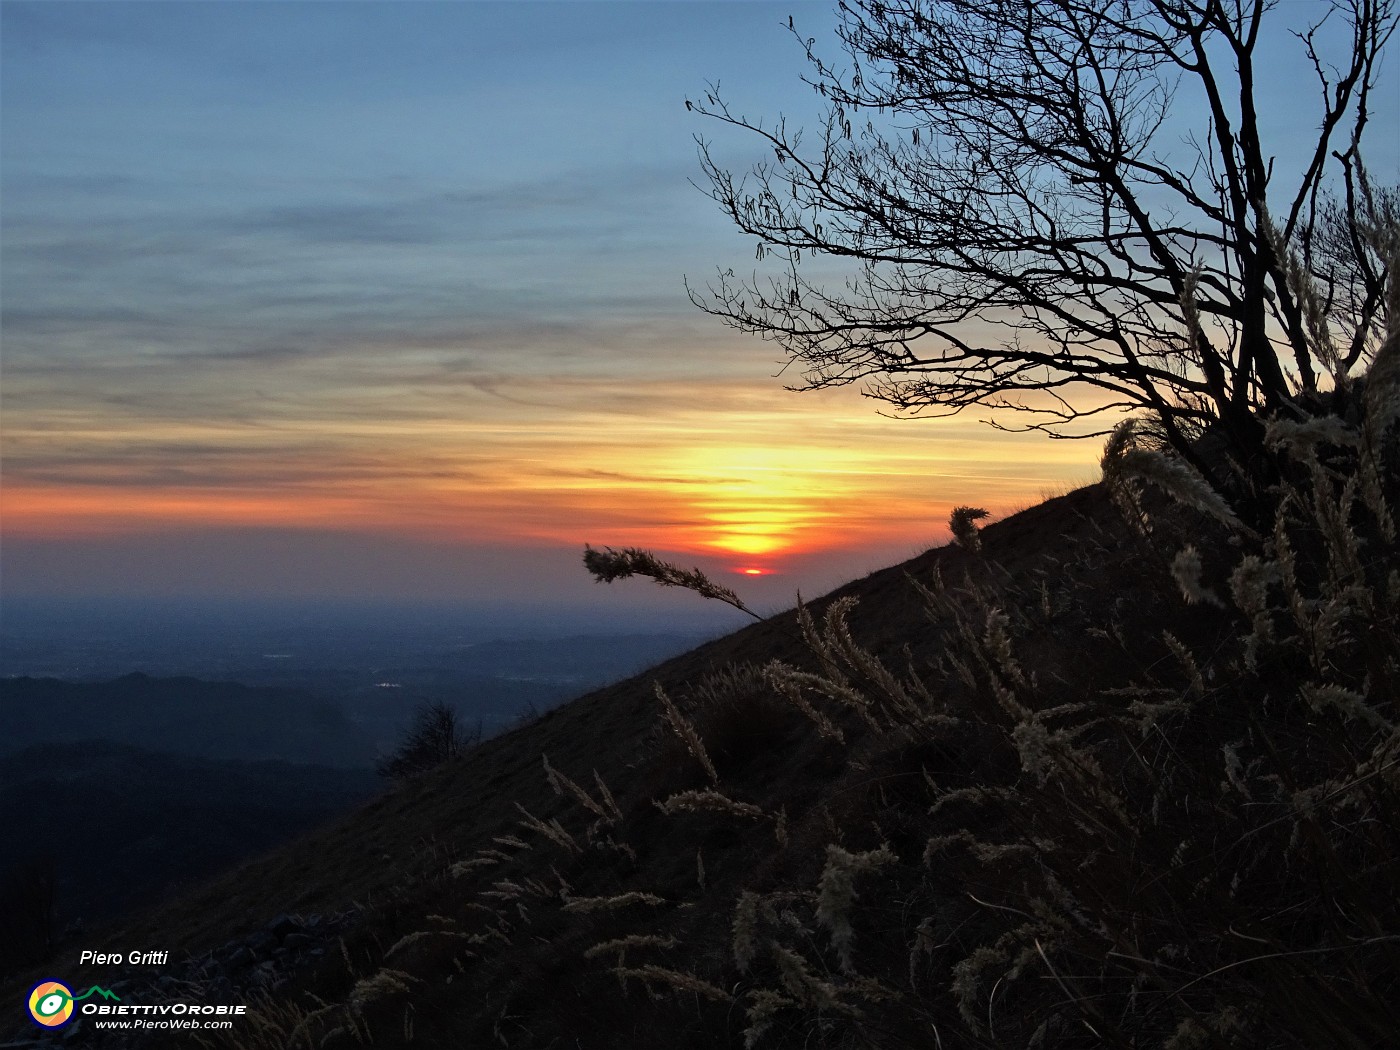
50 1004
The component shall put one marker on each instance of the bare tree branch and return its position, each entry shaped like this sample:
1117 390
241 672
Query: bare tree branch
1026 232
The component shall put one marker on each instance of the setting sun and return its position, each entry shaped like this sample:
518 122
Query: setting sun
446 403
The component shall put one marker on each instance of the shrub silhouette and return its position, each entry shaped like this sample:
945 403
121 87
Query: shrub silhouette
434 738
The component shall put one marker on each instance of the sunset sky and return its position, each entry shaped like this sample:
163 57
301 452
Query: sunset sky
385 299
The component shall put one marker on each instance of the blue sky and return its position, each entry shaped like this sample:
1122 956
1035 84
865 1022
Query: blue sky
283 280
349 167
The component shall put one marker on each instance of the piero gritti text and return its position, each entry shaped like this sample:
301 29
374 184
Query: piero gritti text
133 958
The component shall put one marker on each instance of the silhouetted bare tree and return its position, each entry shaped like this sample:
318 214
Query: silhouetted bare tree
434 739
1070 208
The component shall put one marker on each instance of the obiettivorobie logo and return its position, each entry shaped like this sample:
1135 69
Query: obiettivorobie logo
51 1002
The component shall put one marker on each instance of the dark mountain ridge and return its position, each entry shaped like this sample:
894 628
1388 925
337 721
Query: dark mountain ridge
397 850
116 826
187 716
1012 792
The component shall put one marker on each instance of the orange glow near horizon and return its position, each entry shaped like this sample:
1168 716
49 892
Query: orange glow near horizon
734 471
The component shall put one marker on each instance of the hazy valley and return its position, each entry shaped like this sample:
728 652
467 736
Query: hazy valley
238 732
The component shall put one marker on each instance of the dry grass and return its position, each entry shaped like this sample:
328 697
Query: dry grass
1023 797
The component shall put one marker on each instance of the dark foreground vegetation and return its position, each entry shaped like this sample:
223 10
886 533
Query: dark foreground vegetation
1119 770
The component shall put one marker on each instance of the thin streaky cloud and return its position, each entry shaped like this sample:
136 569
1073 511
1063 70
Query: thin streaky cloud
416 273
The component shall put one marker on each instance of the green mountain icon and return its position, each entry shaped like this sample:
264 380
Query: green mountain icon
99 991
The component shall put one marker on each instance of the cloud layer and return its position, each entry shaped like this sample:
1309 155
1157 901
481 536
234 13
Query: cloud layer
413 273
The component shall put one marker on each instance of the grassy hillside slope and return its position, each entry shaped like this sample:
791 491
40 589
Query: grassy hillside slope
1021 795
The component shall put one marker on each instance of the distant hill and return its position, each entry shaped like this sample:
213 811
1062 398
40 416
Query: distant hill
118 826
186 716
586 660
